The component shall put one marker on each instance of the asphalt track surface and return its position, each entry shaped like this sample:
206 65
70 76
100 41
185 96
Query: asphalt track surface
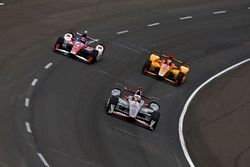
65 108
217 122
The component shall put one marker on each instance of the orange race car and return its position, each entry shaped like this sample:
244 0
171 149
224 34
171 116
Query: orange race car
166 67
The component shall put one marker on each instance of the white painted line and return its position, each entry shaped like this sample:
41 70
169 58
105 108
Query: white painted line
34 82
1 4
153 24
28 127
184 110
185 18
48 65
43 159
122 32
27 102
220 12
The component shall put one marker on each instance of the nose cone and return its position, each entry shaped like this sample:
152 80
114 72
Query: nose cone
133 109
163 70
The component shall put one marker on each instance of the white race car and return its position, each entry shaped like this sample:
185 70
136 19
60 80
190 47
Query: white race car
132 106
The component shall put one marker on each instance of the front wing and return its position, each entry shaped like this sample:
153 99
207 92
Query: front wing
121 113
78 56
155 74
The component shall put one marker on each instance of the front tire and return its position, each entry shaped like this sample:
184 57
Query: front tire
116 92
179 79
59 43
146 66
111 101
154 120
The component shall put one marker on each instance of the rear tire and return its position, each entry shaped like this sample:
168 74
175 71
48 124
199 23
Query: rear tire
146 66
102 47
116 92
155 117
154 106
112 100
179 79
94 55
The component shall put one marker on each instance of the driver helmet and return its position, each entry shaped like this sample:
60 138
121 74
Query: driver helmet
169 62
83 39
170 59
137 97
85 32
171 56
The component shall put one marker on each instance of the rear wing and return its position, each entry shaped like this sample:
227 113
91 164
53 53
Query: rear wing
158 53
90 38
144 96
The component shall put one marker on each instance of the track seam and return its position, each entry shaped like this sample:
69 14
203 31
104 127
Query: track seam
48 66
186 17
180 18
220 12
122 32
153 24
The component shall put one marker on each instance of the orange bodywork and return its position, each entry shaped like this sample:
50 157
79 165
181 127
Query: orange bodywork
157 63
160 68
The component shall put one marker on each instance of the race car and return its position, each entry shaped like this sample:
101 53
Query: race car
157 65
86 49
132 105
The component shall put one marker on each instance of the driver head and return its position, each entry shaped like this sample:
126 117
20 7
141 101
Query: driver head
83 39
137 97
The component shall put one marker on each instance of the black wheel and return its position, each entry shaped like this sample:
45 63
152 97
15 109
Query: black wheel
179 79
146 66
92 57
116 92
154 106
155 117
59 43
112 100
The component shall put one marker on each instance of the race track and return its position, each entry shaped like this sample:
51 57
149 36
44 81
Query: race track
52 107
216 124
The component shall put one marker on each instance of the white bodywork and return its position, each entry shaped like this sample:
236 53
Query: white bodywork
133 108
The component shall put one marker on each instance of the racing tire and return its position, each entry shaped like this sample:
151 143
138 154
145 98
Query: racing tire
179 79
155 117
103 48
93 55
116 92
59 43
146 66
154 106
112 100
